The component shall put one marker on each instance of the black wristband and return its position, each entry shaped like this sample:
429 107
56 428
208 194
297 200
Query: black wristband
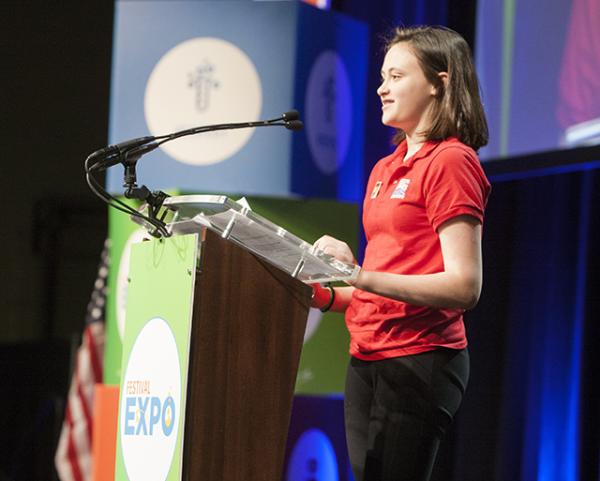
326 307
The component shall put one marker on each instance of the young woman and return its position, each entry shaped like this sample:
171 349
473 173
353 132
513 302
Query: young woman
423 214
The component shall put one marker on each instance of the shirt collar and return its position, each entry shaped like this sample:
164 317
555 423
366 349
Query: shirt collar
424 151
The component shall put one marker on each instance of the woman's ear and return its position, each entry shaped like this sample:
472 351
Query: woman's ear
443 77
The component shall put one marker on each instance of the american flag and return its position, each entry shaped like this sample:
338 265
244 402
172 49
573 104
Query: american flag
73 459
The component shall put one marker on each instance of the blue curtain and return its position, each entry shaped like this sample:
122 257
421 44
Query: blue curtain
532 409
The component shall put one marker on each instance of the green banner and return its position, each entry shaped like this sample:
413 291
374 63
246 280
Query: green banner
155 359
325 352
123 233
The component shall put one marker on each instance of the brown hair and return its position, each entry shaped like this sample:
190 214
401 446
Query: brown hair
457 109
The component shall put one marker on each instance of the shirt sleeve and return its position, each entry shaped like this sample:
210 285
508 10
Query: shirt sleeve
455 185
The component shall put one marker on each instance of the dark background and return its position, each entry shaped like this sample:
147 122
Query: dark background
55 89
55 95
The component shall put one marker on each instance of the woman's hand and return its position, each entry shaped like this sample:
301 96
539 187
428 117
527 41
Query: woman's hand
335 248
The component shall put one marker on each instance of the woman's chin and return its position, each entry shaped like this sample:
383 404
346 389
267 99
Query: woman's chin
388 122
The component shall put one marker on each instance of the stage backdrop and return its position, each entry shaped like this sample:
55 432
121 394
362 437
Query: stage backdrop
182 64
537 61
178 65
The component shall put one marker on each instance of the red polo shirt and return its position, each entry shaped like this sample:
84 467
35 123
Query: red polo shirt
404 205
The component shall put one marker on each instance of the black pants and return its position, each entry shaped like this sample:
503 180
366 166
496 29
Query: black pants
397 410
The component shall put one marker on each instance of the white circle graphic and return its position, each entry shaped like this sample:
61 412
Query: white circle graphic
123 279
203 81
313 457
328 112
150 403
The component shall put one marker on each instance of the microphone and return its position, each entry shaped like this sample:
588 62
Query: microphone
294 125
289 120
122 146
129 151
291 115
114 154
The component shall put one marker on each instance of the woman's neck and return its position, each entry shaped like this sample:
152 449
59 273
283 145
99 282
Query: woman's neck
413 144
414 135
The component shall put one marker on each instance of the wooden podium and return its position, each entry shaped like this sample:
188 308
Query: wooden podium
248 317
247 330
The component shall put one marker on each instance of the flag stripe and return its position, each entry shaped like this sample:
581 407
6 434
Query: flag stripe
73 459
94 354
87 415
72 454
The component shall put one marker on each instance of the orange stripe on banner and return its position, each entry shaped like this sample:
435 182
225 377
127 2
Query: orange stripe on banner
104 446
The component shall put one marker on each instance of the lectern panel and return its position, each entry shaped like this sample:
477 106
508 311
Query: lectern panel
248 325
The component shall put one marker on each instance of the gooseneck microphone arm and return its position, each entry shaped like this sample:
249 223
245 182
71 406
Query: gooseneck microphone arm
135 148
129 152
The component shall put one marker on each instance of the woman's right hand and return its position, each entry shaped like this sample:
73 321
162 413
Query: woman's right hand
335 248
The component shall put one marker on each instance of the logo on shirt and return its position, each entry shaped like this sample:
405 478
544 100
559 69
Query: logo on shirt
400 190
376 189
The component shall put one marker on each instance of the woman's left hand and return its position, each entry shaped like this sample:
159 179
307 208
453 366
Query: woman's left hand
335 248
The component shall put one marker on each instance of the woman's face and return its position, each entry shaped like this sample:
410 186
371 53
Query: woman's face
406 95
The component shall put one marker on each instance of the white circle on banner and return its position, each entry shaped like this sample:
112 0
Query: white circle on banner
312 323
123 279
313 457
203 81
328 112
150 403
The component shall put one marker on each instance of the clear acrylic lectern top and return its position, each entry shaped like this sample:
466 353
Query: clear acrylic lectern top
237 223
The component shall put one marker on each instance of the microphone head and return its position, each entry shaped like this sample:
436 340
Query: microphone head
291 115
294 125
